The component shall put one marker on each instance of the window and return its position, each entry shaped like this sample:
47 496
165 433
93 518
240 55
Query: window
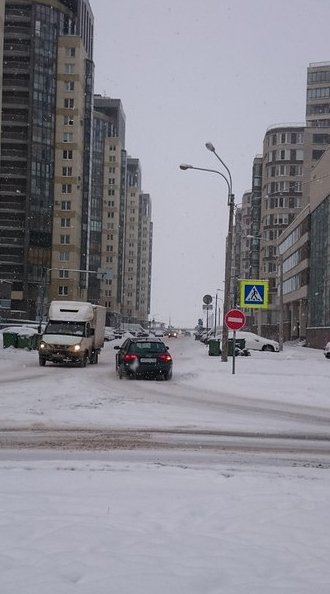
69 85
66 188
317 154
69 68
67 154
65 222
65 239
70 52
111 192
66 205
63 290
112 181
67 171
68 120
67 137
64 256
63 273
318 93
69 103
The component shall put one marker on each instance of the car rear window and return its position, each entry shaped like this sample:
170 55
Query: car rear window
147 347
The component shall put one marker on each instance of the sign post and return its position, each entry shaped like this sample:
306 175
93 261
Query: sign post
235 320
207 300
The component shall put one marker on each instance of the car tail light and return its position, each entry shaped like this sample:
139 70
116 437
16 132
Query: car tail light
165 357
128 358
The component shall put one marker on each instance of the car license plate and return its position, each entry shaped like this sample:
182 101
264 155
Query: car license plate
148 360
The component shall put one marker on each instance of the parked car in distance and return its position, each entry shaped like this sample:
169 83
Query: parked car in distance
254 342
143 357
159 333
327 350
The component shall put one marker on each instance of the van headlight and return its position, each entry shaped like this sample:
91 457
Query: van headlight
76 348
42 345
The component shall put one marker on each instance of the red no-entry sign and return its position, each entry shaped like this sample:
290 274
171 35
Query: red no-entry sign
235 319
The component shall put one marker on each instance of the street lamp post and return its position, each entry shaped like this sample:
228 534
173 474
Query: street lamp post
217 311
229 246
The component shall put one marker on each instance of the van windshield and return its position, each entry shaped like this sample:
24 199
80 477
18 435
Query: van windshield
69 328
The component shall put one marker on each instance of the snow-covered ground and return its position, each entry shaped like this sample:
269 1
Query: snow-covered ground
127 522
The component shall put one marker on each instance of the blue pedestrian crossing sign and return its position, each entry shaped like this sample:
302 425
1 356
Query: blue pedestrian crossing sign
254 293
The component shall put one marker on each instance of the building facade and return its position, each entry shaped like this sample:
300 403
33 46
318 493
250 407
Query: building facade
109 203
318 330
74 221
138 248
282 184
45 154
317 133
2 24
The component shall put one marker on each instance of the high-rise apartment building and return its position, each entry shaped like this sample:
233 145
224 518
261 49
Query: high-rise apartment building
47 92
138 248
2 22
255 215
107 250
303 245
121 228
317 133
243 270
282 181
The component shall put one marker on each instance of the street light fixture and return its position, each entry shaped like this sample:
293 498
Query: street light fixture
229 245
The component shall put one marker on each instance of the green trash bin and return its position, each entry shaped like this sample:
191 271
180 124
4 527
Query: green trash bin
214 347
10 339
26 341
239 342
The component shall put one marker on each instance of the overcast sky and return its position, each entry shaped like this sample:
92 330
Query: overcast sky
189 72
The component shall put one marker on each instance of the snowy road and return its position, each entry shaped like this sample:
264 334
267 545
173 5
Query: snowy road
257 413
208 483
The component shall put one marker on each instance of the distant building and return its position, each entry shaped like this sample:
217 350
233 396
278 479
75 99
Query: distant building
138 248
108 214
281 202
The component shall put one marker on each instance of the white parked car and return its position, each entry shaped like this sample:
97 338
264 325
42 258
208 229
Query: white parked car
158 333
327 351
254 342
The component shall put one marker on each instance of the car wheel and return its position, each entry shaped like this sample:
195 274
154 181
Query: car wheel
42 361
83 362
120 372
268 347
168 375
94 358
